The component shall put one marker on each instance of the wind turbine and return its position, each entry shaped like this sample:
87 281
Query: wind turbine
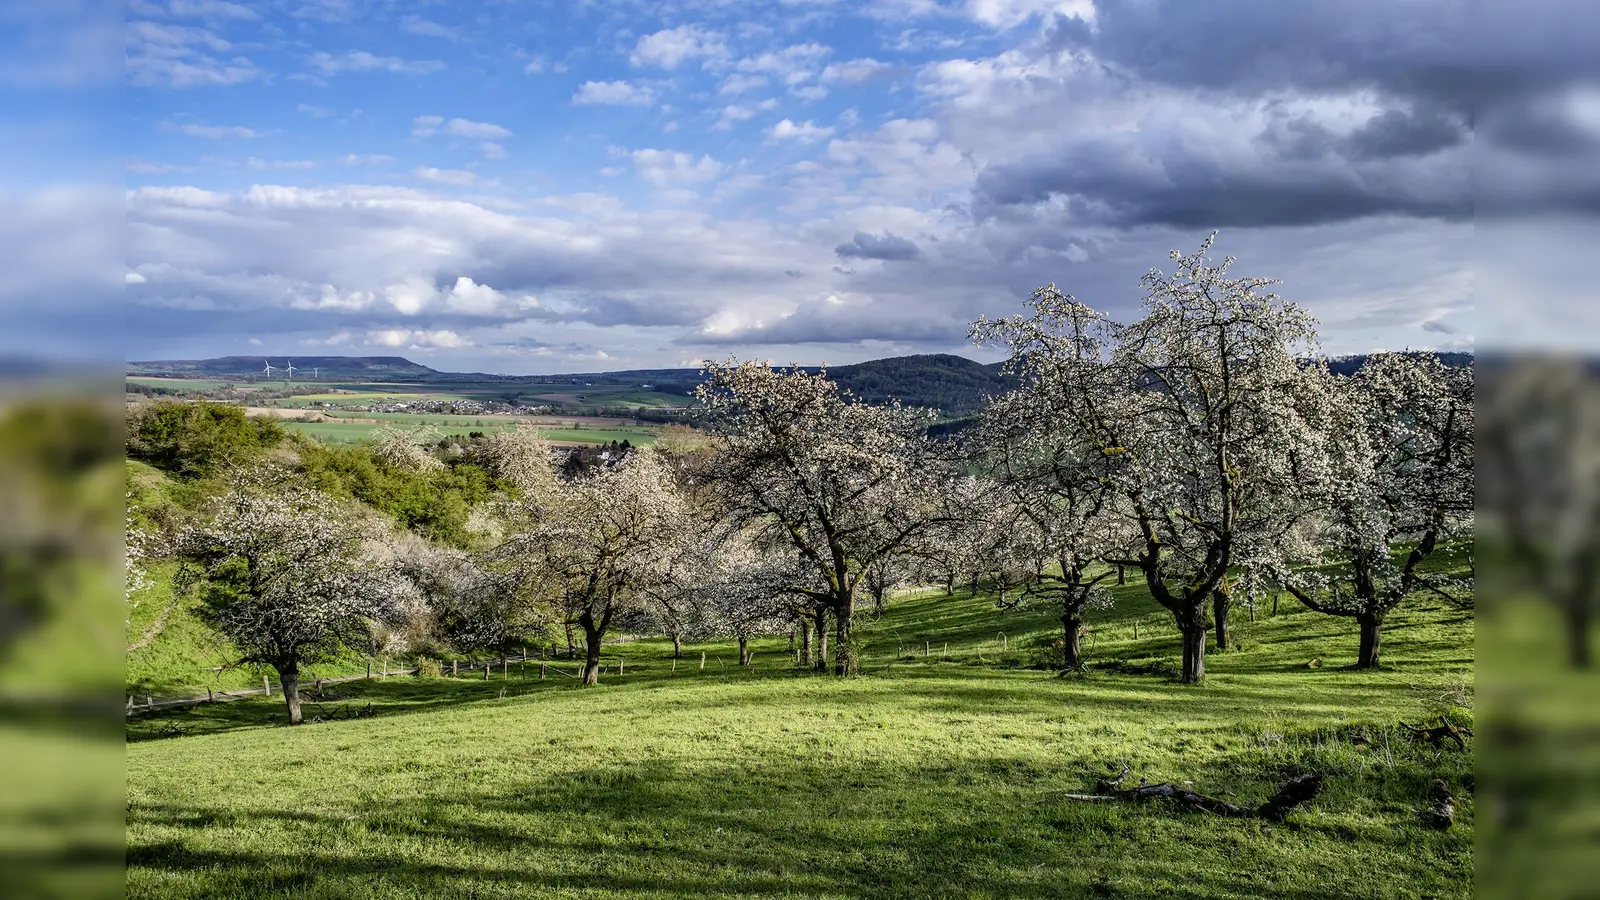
269 368
316 373
290 370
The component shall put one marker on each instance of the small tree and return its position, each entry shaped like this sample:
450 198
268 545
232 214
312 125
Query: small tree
1404 483
592 547
840 482
282 575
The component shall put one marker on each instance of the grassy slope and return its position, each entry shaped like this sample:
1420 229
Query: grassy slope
924 778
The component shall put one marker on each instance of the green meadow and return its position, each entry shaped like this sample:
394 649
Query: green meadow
940 772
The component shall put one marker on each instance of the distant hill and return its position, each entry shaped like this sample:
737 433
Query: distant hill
954 385
378 368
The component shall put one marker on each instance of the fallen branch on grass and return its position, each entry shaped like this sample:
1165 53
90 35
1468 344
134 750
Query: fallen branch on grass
1296 792
1440 733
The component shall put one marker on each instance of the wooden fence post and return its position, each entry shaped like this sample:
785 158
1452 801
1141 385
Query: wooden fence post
542 664
925 650
150 702
622 664
503 675
386 667
674 665
369 668
455 667
1136 629
702 660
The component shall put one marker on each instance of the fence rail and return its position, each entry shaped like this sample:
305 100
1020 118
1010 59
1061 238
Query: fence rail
454 667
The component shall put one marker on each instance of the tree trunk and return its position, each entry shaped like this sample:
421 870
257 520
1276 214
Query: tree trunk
844 651
1122 575
677 645
974 584
1371 651
805 642
1194 647
1072 647
744 650
1220 602
289 679
950 585
571 647
1580 625
877 600
591 638
821 661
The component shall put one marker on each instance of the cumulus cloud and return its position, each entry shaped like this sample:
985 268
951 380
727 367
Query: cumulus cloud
804 132
668 48
612 93
855 71
453 177
883 247
674 168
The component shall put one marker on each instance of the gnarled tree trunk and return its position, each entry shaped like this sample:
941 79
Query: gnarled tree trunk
844 650
744 650
1220 604
1371 652
1193 629
821 619
592 635
289 680
805 642
677 645
1071 634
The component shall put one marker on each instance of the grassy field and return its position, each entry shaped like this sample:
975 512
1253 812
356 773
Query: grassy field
929 776
349 432
194 384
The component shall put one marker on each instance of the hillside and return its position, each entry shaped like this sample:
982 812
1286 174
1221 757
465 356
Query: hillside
363 367
930 776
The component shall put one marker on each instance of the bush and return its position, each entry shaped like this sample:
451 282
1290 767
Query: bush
429 668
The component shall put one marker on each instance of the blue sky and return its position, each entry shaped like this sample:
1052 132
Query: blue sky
542 187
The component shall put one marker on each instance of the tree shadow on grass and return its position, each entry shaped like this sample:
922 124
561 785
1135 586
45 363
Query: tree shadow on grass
793 828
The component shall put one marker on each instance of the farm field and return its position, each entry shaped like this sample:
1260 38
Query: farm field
193 384
937 775
349 432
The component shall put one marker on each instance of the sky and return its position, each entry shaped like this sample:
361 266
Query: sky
526 187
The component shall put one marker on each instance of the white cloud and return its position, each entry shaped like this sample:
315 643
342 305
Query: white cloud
254 342
217 132
314 111
612 93
669 48
805 132
362 61
853 72
791 65
491 150
268 165
180 56
134 278
426 126
366 159
673 168
420 26
469 129
452 177
738 84
417 340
